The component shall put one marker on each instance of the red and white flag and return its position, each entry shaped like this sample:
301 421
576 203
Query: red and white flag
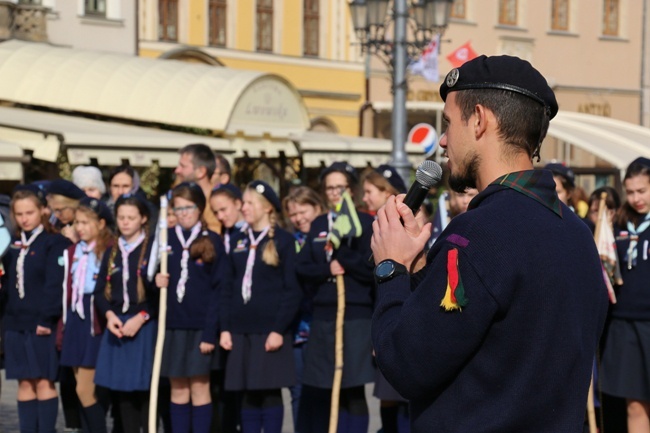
427 64
462 54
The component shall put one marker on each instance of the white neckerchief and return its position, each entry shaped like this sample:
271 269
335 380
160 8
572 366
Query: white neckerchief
126 249
632 252
196 230
20 265
79 280
247 283
241 225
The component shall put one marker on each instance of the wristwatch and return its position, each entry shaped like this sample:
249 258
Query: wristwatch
144 315
388 269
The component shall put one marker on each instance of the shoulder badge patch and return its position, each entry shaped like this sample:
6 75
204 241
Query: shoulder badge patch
454 298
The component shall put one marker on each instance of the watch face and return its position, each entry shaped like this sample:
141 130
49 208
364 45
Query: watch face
385 269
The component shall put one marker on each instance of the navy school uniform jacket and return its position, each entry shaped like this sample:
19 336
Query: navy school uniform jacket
43 278
116 301
518 355
275 292
200 306
354 256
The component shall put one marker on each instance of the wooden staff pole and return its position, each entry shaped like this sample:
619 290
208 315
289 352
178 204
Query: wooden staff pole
338 348
162 318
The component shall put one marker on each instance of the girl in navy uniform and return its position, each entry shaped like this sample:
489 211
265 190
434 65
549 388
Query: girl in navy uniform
196 270
625 363
257 311
226 203
83 325
320 265
125 298
31 291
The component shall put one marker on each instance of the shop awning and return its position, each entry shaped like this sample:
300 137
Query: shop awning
615 141
108 142
225 101
319 149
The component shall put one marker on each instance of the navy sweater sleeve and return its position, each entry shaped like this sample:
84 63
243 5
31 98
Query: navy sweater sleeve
51 301
218 280
355 257
309 268
226 293
291 292
102 304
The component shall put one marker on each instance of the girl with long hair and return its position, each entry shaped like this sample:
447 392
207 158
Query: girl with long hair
257 310
196 273
126 300
31 293
83 326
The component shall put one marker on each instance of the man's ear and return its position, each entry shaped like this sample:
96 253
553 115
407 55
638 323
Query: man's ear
481 117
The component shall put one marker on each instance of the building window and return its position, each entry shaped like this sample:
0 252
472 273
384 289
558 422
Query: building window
508 12
458 9
560 15
218 23
95 7
264 25
610 18
168 20
312 27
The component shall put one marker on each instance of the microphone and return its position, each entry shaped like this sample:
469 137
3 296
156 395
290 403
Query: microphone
427 176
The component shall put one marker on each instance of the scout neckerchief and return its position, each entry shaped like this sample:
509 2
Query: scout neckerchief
247 284
78 284
196 230
632 252
241 225
329 248
126 249
20 265
531 183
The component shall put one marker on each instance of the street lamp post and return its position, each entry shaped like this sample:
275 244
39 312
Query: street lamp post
420 20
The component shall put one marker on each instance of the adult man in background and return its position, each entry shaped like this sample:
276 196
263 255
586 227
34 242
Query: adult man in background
497 333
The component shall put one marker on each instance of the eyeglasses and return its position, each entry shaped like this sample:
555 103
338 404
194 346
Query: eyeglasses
184 209
336 189
60 211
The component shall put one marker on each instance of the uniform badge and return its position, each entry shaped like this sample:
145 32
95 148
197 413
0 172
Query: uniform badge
452 77
454 298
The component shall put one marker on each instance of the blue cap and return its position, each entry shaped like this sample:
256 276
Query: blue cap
229 189
642 161
393 177
66 188
99 207
340 167
563 171
37 189
267 192
504 73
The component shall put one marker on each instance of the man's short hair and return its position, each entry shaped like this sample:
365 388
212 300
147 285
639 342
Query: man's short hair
522 121
202 156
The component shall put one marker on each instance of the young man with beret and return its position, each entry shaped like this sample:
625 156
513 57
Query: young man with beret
498 331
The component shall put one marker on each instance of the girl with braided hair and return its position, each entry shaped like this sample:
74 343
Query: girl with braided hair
196 273
127 300
257 310
31 294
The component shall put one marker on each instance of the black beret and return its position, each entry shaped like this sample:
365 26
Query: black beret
99 207
66 188
642 161
38 189
564 171
392 176
267 192
340 167
505 73
229 189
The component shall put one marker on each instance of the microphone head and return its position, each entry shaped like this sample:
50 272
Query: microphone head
428 173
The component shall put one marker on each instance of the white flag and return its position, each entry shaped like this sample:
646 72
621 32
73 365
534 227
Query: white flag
427 64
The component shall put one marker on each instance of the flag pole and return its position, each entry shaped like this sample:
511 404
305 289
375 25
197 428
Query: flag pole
338 352
162 318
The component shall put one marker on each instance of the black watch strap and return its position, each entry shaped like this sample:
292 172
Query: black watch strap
388 269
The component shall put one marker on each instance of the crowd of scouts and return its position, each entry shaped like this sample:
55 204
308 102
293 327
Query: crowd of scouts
251 306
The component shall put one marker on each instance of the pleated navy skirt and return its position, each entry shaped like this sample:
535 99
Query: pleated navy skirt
182 357
30 356
80 346
358 368
251 367
625 366
126 364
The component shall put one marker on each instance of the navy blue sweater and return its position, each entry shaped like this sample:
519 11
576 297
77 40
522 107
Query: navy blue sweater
200 306
43 282
314 268
633 297
116 301
518 356
276 294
